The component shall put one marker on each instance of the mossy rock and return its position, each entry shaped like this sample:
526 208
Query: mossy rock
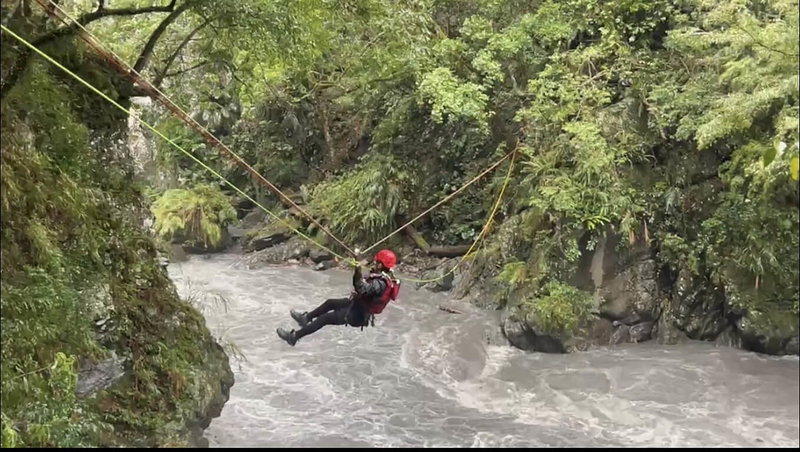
557 319
771 330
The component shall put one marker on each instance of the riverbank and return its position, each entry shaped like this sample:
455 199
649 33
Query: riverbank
427 378
631 300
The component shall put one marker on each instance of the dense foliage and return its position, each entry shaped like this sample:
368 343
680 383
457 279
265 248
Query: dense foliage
197 215
672 124
80 278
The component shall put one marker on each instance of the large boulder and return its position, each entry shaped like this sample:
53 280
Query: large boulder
263 241
632 293
520 334
443 276
698 308
255 219
666 331
524 331
772 331
626 286
318 256
295 248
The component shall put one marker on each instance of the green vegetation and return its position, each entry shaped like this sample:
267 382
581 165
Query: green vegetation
558 309
198 214
364 203
672 124
73 254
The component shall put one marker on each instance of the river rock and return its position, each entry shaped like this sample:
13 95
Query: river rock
259 243
698 308
253 220
317 256
325 265
294 248
236 232
621 335
666 330
177 254
641 332
601 331
772 332
443 275
729 338
518 333
522 334
93 377
633 291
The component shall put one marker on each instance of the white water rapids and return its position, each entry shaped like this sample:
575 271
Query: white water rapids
426 378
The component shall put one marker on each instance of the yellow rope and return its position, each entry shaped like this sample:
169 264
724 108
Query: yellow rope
281 220
189 154
483 231
96 43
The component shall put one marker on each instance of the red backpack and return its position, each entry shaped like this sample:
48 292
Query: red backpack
389 294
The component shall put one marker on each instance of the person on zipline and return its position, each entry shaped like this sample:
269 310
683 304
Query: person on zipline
370 296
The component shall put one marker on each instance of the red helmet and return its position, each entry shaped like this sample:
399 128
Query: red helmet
387 258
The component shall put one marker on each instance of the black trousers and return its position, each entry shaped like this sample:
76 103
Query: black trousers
334 311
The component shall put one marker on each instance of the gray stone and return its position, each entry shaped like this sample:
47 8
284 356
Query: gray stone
517 332
729 338
294 248
621 335
266 241
444 275
318 256
236 232
522 335
793 346
641 332
254 219
632 291
325 265
96 377
773 333
177 254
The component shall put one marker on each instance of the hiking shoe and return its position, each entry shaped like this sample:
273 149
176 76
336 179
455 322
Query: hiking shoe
300 317
287 336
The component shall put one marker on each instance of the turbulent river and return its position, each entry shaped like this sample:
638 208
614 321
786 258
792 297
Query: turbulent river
427 378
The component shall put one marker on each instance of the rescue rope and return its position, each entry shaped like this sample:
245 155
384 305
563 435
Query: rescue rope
485 226
154 92
449 197
170 141
177 111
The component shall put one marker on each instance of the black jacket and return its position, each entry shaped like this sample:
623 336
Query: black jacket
372 288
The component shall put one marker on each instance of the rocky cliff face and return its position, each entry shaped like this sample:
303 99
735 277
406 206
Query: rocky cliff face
637 299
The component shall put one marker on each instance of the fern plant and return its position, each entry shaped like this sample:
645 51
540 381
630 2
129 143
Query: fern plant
198 214
363 204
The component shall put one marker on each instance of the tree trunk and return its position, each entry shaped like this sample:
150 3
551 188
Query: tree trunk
448 251
417 238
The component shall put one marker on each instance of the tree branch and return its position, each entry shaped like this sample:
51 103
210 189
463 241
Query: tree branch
21 62
171 59
196 66
144 57
759 43
99 14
